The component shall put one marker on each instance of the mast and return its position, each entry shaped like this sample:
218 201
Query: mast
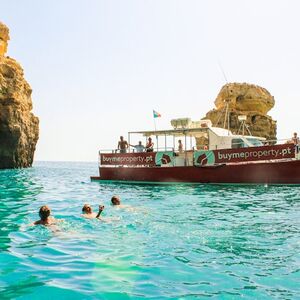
227 116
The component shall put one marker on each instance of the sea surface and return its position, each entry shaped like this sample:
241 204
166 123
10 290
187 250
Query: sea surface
175 241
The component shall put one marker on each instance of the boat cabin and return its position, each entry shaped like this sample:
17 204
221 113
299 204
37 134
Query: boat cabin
200 135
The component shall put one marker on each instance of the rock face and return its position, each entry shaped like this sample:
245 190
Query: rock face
4 38
19 128
245 99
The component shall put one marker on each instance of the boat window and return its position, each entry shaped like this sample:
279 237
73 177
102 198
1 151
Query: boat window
254 142
237 143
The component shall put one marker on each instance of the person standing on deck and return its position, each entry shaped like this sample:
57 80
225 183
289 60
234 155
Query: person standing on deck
295 140
180 146
122 145
139 147
149 145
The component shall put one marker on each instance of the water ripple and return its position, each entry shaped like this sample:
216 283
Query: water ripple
172 242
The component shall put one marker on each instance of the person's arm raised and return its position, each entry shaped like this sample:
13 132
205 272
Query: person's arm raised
101 208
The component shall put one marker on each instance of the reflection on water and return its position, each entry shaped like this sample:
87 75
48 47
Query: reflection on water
177 241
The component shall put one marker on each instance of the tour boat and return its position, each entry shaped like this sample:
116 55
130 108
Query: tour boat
224 157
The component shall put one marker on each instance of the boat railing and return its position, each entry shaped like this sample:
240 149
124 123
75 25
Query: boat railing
130 150
282 142
107 151
155 149
277 141
168 156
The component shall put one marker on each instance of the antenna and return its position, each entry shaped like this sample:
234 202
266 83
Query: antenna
226 107
222 70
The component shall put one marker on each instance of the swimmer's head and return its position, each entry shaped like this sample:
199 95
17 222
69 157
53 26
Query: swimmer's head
115 200
87 209
44 212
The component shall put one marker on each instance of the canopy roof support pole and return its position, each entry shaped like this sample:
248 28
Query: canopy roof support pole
174 142
185 156
128 141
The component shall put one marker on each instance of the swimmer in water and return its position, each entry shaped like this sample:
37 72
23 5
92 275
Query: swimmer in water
88 213
45 218
115 200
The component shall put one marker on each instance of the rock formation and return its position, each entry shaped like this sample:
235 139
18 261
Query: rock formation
245 99
19 128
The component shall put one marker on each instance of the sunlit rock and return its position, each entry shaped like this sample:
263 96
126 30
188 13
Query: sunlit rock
4 37
244 99
19 128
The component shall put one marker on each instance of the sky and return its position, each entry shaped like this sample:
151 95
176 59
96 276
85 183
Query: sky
98 68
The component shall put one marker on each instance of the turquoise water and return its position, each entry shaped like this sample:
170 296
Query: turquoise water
173 242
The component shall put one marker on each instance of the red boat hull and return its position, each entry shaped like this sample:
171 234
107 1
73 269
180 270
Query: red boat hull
284 172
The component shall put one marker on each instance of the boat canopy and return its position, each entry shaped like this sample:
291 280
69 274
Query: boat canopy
212 137
172 132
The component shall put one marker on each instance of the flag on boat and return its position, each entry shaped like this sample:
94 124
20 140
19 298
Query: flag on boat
156 114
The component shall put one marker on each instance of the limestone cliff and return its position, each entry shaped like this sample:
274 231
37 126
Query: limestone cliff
245 99
19 128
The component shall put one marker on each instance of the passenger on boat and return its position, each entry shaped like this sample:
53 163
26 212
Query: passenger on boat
180 146
295 140
122 145
149 145
139 147
87 211
44 214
